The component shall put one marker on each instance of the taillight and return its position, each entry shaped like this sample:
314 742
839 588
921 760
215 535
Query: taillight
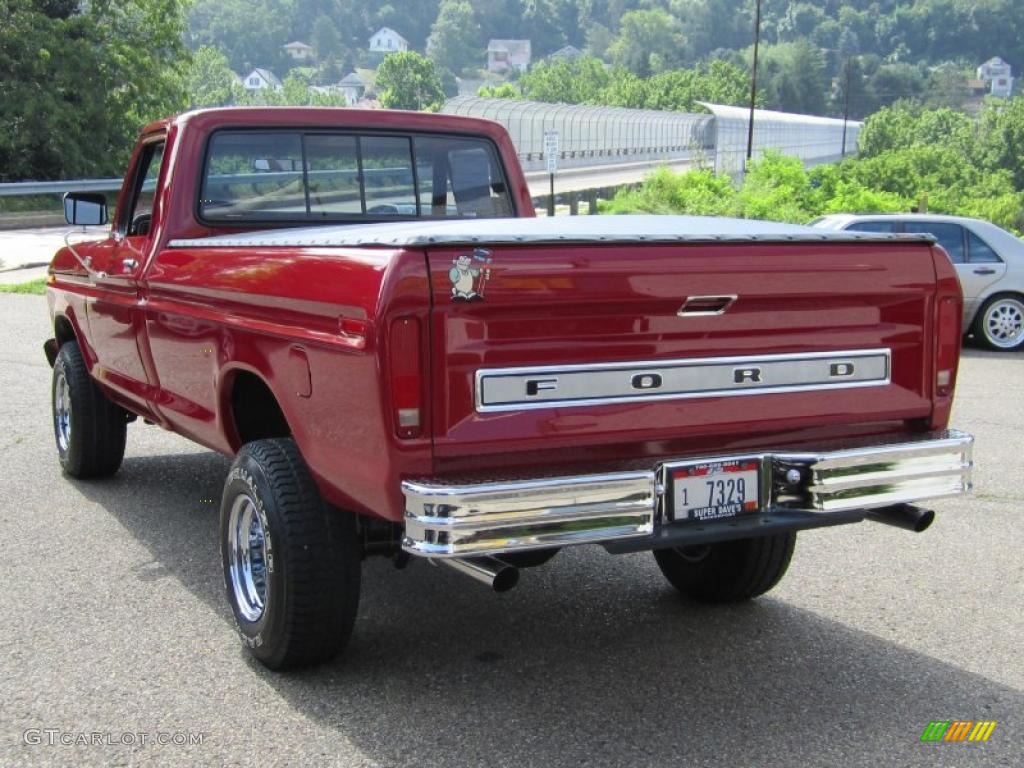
947 324
404 359
947 344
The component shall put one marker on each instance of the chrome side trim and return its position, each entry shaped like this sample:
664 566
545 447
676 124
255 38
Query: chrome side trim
460 520
573 386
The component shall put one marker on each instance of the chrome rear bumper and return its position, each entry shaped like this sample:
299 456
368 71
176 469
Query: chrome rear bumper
456 520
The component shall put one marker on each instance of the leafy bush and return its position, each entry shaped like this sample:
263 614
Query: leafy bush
698 192
938 160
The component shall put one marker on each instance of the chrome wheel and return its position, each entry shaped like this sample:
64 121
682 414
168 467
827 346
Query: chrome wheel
1003 324
247 558
62 412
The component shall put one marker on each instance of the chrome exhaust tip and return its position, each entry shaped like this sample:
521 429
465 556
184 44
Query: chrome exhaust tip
499 576
905 516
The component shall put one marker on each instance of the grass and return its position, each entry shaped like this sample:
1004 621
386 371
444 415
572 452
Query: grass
34 287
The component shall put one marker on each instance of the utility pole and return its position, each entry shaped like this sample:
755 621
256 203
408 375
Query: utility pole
753 80
846 104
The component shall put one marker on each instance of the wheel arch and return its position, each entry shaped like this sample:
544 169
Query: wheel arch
250 408
66 328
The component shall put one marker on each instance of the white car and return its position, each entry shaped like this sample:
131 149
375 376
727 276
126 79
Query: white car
989 262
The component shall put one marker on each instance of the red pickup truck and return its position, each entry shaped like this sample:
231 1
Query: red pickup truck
362 309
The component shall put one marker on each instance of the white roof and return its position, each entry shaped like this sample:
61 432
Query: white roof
560 229
522 46
389 31
266 74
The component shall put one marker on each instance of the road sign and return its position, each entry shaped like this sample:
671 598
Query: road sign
551 150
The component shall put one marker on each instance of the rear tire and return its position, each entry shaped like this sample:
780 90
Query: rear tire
1000 323
89 429
291 562
729 571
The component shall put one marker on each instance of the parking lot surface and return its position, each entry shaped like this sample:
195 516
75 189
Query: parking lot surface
115 624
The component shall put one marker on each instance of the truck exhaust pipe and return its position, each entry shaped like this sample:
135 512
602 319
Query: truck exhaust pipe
497 575
905 516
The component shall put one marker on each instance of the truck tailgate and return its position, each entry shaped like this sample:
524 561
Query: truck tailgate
640 350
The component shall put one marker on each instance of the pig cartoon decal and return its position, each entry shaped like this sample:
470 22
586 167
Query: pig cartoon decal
469 275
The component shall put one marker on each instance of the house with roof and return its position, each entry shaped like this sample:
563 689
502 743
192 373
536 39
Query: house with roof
300 51
352 88
508 55
261 79
568 53
997 76
385 40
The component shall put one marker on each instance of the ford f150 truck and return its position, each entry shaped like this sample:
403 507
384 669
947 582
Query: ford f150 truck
362 309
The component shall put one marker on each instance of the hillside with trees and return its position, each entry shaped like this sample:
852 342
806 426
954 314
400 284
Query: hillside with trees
78 78
884 49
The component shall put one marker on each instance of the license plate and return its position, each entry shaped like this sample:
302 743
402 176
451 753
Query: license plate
714 490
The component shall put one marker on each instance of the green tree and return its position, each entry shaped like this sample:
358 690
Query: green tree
503 91
326 39
719 82
408 80
1001 137
624 89
210 81
565 81
892 82
648 42
249 32
295 90
793 77
78 80
454 40
546 24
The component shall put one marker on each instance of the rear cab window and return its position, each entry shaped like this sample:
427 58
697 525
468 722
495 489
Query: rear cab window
295 176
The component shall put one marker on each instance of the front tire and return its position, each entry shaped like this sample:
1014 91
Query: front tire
291 562
89 429
1000 323
729 571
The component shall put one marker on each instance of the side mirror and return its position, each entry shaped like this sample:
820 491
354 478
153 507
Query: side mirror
85 208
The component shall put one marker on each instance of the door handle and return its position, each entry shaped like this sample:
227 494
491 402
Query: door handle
129 265
985 271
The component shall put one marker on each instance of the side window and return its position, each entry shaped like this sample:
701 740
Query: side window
460 178
980 251
139 214
873 226
950 236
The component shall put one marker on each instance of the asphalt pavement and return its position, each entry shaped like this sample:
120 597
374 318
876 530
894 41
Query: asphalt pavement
116 629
